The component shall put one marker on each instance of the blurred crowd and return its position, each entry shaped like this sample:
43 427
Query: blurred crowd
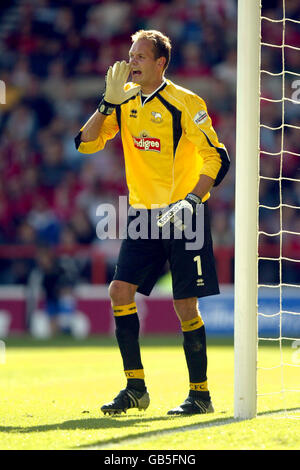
53 59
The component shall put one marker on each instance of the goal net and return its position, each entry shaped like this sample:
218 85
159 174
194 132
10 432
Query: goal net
267 261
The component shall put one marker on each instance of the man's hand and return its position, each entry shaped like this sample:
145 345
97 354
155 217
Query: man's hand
116 78
175 213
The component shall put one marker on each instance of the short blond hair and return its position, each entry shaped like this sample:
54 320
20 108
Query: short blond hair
161 43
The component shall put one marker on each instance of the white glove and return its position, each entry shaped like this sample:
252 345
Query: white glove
116 78
175 213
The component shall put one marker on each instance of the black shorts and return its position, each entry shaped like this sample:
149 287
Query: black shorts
142 260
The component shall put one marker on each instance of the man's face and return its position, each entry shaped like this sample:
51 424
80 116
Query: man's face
145 69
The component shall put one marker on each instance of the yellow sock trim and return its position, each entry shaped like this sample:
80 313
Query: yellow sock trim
199 387
135 374
193 324
121 310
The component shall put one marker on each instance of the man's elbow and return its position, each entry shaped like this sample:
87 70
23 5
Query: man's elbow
224 167
91 146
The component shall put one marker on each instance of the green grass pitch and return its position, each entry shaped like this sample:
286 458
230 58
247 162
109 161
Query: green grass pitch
51 393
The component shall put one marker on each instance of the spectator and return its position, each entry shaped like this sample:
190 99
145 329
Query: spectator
57 279
42 219
53 64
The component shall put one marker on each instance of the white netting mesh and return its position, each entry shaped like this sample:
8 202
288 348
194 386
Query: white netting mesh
279 211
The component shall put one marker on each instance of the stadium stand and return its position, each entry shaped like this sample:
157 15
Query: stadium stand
54 55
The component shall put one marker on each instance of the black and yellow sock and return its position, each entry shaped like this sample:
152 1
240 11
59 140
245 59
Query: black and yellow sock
194 345
127 334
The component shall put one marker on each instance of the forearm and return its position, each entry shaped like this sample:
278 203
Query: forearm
91 129
203 186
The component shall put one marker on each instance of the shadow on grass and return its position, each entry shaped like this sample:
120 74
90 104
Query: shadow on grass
117 423
85 423
124 421
165 431
102 444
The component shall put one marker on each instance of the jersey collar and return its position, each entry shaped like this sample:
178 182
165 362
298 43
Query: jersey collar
155 92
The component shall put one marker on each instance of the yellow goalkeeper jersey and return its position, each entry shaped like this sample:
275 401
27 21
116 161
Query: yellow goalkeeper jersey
168 142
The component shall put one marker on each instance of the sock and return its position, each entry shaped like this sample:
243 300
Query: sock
194 345
127 334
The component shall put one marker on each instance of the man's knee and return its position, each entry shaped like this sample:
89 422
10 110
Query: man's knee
121 293
186 309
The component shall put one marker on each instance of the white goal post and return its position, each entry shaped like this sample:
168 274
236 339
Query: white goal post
246 209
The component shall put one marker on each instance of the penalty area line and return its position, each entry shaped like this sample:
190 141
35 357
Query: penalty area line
143 437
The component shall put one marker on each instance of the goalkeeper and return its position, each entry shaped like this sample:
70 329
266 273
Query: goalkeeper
172 159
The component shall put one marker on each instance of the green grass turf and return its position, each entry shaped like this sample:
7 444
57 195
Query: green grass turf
51 392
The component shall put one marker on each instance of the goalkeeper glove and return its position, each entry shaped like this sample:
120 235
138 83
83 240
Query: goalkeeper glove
175 213
115 94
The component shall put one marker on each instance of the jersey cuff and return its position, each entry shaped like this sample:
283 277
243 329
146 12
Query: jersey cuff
78 140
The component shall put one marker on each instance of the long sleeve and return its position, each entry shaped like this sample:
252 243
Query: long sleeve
198 129
108 131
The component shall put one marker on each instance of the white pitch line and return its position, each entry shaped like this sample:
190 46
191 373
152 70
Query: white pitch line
137 438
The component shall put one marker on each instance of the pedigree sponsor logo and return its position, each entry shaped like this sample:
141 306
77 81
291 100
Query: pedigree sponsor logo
147 143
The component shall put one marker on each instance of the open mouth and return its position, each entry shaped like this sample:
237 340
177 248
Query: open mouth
136 73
